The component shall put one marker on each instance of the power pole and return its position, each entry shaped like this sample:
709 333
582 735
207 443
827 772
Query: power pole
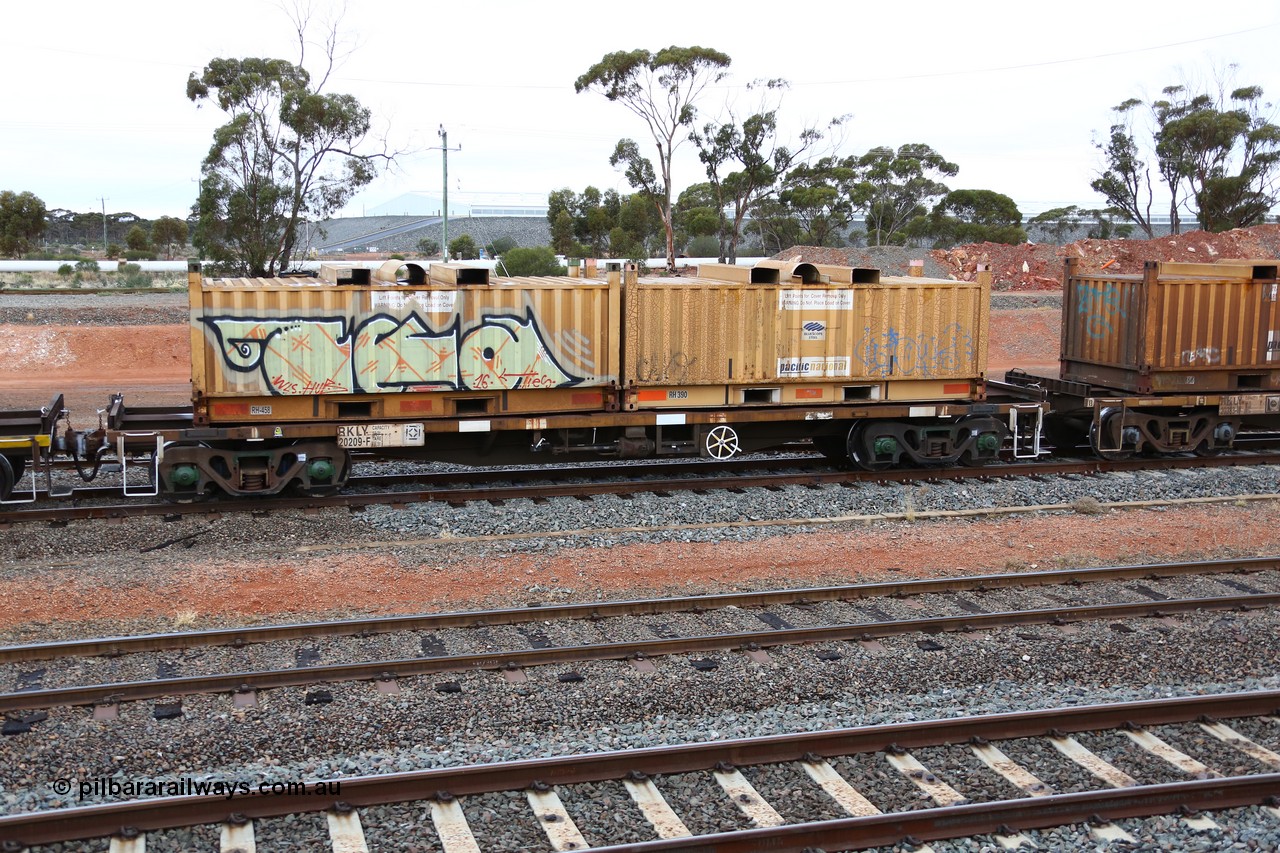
104 227
444 146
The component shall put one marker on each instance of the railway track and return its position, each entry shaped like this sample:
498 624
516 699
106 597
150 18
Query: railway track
624 631
498 485
998 775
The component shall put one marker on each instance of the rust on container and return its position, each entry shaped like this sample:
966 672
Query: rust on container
1196 328
301 348
842 341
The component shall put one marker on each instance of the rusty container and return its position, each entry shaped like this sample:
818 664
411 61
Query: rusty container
1178 327
802 334
451 343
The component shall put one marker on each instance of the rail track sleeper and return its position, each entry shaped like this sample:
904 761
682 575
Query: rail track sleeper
745 796
1091 762
655 808
240 637
561 831
233 837
371 670
1233 738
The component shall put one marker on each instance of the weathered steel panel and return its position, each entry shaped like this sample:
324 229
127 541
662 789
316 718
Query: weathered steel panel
705 332
304 337
1166 330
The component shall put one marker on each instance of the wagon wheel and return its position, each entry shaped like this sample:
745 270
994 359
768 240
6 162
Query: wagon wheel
6 478
722 442
861 455
17 466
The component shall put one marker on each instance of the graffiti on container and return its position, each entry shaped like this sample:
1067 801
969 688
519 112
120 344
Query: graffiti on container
1203 355
677 368
1100 306
382 353
892 354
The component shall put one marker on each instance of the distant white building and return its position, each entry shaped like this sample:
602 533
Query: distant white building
422 203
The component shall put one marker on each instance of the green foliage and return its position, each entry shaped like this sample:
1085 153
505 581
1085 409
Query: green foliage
534 260
139 255
285 155
585 225
463 248
501 246
396 256
661 88
113 251
65 270
168 231
137 239
21 222
1060 224
1056 225
895 189
130 269
705 246
816 195
976 216
1218 150
429 246
87 265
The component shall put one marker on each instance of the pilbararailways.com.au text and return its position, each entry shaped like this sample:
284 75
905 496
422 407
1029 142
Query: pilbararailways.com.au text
117 788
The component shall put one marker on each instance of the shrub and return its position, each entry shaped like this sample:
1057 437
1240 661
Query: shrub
87 265
538 260
113 251
65 270
705 246
139 255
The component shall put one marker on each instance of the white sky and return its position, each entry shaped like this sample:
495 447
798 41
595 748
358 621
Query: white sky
94 103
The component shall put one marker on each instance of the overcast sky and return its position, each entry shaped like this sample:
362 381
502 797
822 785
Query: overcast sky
94 93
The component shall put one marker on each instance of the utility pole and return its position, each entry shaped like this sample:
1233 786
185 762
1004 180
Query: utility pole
104 227
444 146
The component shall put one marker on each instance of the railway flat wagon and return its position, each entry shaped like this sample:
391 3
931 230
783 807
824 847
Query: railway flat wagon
288 374
884 370
1180 358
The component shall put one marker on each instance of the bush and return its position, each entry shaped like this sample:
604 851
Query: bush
705 246
139 255
113 251
397 257
130 269
87 265
65 270
538 260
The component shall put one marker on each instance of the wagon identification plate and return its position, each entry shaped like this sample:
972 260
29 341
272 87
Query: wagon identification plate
380 435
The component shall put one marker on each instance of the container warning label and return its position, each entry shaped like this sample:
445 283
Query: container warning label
815 300
426 300
807 367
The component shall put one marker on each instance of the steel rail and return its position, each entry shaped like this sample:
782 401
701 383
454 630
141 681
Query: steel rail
122 645
122 511
518 659
71 824
1001 816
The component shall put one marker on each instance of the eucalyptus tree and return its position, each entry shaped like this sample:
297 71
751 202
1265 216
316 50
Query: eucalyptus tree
662 89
